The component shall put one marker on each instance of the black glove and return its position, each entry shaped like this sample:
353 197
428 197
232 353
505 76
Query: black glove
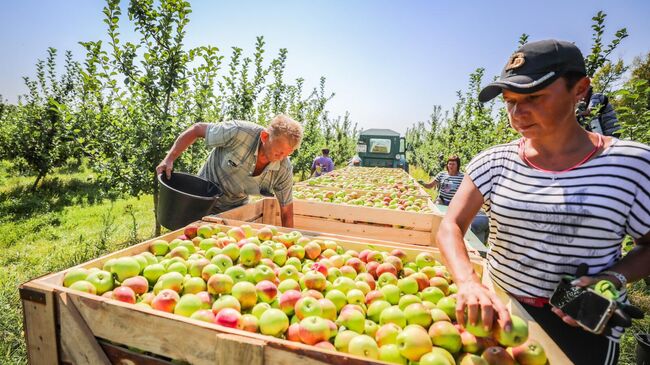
624 314
421 182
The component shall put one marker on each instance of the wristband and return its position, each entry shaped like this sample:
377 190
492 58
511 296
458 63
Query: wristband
620 277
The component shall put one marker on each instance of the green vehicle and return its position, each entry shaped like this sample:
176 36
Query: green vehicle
382 148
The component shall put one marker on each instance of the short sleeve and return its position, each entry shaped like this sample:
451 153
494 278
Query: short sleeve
438 177
220 134
313 164
638 220
479 170
283 187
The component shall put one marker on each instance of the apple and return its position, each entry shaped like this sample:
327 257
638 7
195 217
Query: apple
273 322
407 299
440 283
356 296
101 280
196 266
448 305
343 338
165 300
279 256
386 278
424 259
190 230
307 307
312 250
260 308
399 254
236 273
293 333
413 342
225 301
296 251
245 293
337 297
179 267
344 284
231 250
386 268
371 268
348 271
314 280
138 284
376 308
364 345
391 293
432 294
206 299
220 284
159 247
408 285
288 301
204 315
266 291
497 355
470 359
353 320
374 295
395 261
470 342
370 328
518 333
446 335
393 315
73 275
390 353
153 272
288 272
84 286
188 304
250 255
326 345
437 356
422 280
329 309
237 233
356 264
265 234
180 251
209 270
193 285
313 330
228 317
416 313
387 334
288 284
529 353
478 329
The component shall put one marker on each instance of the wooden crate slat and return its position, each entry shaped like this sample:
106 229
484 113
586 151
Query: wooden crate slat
77 340
39 323
416 221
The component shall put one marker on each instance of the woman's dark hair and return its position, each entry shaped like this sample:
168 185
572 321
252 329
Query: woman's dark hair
571 78
454 158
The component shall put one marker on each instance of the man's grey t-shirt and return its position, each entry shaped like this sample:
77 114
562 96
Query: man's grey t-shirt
232 161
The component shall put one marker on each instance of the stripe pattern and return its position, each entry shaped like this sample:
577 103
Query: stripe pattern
543 225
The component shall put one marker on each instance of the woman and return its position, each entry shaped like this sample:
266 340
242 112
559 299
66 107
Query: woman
447 182
556 198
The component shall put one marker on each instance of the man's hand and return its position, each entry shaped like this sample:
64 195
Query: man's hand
479 299
166 166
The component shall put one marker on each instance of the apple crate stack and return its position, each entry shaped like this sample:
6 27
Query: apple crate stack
68 326
373 179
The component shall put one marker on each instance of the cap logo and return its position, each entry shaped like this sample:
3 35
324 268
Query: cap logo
516 60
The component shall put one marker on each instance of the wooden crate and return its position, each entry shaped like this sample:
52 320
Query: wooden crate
64 326
385 225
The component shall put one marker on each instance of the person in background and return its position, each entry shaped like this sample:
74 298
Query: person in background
597 115
246 159
322 164
559 199
447 184
355 161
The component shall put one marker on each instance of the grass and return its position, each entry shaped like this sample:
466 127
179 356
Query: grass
67 221
70 220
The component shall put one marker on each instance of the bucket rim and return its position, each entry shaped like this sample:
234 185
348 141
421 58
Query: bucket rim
218 195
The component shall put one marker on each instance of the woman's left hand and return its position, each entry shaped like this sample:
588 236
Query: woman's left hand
583 281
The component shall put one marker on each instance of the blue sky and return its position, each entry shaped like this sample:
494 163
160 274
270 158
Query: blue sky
389 62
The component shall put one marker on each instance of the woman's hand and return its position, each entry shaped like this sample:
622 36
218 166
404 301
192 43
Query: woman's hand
583 282
479 299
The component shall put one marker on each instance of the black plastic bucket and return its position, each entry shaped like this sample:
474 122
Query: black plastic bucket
184 198
642 348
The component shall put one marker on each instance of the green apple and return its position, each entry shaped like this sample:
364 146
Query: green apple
273 322
236 273
231 250
84 286
188 304
178 267
171 280
376 308
344 284
313 330
408 285
518 332
407 299
352 319
390 353
529 353
245 293
432 294
159 247
337 297
125 267
225 301
102 281
73 275
416 313
223 261
391 293
446 335
438 356
364 345
193 285
393 315
370 328
425 259
387 334
448 305
470 359
413 342
343 339
260 308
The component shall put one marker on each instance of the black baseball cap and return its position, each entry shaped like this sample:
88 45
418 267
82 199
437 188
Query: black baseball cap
534 66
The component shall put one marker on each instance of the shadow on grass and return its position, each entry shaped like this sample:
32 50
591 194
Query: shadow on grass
53 195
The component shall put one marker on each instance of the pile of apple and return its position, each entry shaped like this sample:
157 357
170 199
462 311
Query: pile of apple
359 182
375 304
376 199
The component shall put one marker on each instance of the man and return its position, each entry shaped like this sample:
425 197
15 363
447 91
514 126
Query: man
322 164
246 159
558 199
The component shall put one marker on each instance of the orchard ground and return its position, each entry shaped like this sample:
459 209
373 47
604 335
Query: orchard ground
70 220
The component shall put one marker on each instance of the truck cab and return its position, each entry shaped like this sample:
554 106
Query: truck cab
382 148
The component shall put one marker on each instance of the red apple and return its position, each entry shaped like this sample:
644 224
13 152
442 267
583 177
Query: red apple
124 294
228 317
165 300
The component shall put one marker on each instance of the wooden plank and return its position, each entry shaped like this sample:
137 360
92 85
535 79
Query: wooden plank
417 221
77 340
384 233
39 324
271 212
121 355
230 347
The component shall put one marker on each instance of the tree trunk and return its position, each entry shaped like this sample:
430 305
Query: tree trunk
155 204
40 176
